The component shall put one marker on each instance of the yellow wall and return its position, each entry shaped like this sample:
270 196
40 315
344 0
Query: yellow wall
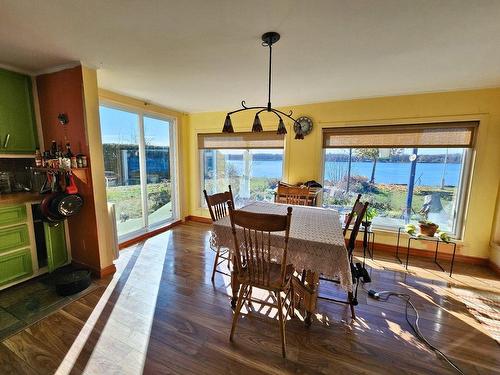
93 129
109 97
303 159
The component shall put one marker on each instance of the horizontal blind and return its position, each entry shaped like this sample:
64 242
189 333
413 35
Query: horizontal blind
240 140
444 134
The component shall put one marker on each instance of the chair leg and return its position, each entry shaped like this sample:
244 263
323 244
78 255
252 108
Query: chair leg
215 263
250 297
239 304
282 324
350 298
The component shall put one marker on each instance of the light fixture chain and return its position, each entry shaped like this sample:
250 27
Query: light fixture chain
269 89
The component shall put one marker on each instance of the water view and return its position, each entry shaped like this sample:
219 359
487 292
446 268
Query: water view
386 173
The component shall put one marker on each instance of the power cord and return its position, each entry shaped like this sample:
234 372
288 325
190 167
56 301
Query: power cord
385 295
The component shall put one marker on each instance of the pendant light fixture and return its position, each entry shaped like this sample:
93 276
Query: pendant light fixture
268 39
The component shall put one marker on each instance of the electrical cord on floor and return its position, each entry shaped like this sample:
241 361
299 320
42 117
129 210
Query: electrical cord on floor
385 295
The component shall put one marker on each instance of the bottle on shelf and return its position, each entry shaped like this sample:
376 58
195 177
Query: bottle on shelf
68 154
53 150
38 158
45 160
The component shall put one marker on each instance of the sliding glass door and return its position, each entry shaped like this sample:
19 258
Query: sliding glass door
139 173
158 169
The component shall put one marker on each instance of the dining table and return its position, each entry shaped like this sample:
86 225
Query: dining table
316 247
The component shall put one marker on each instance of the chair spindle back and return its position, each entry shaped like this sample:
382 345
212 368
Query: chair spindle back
296 195
217 203
351 214
359 210
253 252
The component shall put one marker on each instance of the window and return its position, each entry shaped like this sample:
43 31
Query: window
138 169
252 163
407 173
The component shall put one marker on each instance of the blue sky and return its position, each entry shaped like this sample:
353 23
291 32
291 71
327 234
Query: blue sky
119 126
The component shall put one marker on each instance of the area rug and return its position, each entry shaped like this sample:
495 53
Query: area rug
485 307
28 302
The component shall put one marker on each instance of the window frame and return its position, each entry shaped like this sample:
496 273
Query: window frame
460 206
201 161
173 160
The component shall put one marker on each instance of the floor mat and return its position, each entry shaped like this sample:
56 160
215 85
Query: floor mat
30 301
485 307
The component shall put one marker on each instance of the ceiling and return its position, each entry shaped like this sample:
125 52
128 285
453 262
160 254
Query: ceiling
199 55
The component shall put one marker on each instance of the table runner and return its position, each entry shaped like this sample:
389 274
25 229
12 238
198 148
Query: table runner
316 241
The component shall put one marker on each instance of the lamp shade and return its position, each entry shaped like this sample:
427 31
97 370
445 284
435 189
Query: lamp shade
299 135
257 126
228 125
281 127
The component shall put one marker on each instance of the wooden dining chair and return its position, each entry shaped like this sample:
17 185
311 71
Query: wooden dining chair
351 215
305 295
296 195
358 212
218 208
257 267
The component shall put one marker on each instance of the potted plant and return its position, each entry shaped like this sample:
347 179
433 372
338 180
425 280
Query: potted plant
370 214
428 228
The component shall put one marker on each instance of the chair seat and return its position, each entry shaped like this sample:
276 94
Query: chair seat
274 278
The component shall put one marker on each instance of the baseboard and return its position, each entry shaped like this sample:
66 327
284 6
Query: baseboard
147 235
106 271
199 219
385 248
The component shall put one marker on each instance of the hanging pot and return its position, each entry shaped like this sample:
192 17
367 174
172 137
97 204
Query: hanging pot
69 203
45 209
66 205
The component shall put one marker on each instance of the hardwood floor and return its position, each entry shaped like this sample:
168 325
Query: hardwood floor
160 314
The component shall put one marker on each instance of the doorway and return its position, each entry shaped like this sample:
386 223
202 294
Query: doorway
138 151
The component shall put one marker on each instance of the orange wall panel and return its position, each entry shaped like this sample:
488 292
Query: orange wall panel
62 92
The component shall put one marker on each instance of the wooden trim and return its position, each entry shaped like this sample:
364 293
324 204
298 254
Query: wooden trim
494 267
198 219
106 271
147 235
385 248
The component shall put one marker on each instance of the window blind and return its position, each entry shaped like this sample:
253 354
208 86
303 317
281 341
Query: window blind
240 140
445 134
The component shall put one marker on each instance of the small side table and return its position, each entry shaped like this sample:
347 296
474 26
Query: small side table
437 240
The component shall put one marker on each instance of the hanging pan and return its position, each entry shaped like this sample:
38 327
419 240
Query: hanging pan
68 203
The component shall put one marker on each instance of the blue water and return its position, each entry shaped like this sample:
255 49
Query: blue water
428 174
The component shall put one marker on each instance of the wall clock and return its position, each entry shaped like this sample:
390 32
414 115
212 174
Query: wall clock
306 125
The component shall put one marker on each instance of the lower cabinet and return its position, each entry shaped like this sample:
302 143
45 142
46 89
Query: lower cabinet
55 241
15 266
14 237
28 245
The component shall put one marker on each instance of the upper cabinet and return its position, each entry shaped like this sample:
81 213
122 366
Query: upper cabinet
17 121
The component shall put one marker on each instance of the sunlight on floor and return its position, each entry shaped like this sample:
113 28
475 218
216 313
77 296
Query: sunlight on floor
125 337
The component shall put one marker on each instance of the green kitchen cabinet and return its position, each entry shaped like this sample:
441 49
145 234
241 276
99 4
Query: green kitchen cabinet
14 266
55 240
14 237
17 121
12 214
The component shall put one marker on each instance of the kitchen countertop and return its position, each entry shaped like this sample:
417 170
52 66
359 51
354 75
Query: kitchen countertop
22 197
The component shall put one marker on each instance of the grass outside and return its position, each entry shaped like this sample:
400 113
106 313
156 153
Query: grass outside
128 201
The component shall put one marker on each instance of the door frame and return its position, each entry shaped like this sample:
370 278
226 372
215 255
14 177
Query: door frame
173 160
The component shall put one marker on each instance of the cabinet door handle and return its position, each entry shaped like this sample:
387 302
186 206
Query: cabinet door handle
7 139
